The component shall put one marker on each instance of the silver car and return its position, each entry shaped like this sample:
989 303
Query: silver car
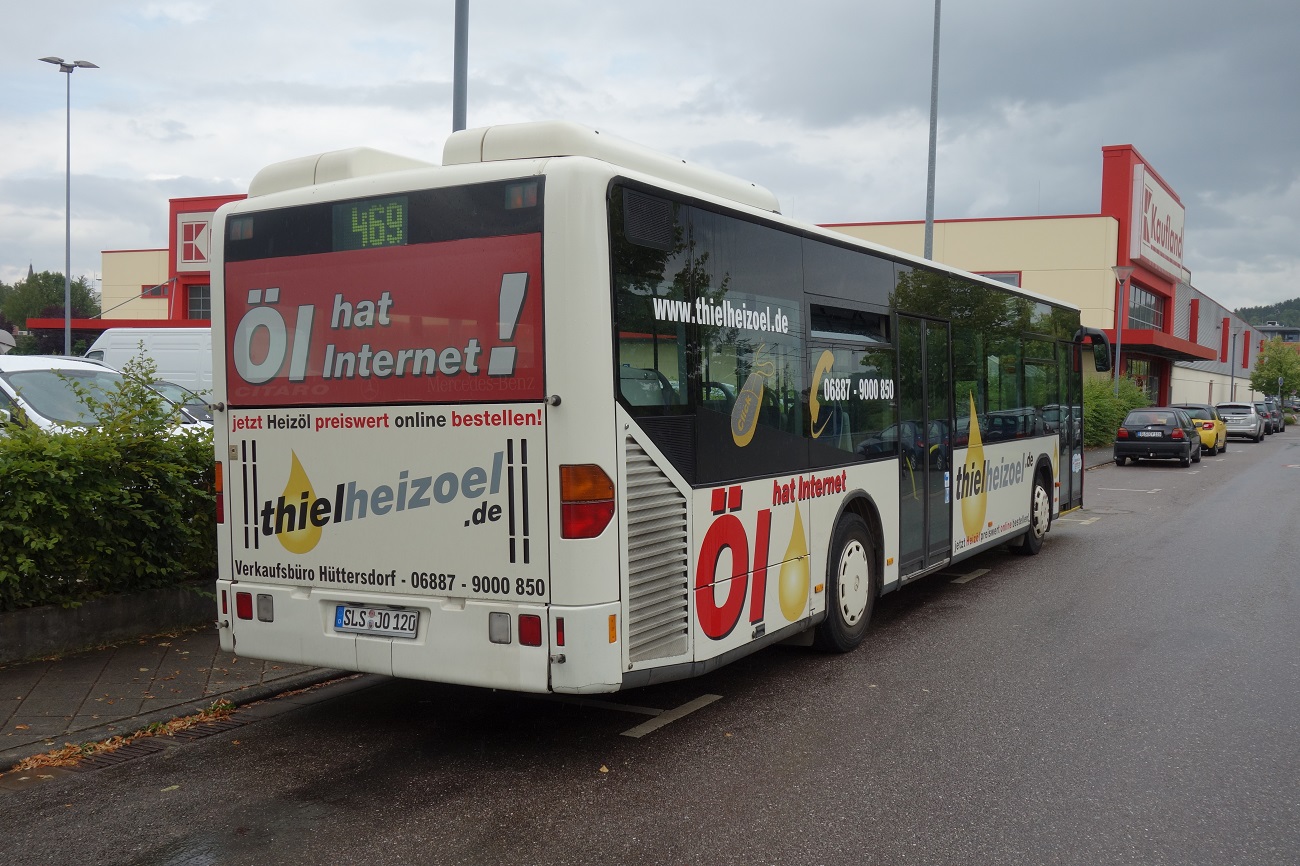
1243 420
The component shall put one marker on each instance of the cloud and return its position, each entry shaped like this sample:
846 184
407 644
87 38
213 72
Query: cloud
825 102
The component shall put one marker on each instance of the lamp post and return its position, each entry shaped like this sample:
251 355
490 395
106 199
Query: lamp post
67 67
460 66
928 251
1122 274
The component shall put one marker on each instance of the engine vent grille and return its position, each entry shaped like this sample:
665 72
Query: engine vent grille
658 559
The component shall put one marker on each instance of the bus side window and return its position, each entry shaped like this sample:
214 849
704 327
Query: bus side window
642 387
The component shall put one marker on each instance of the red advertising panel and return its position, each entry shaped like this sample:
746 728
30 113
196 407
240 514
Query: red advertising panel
452 322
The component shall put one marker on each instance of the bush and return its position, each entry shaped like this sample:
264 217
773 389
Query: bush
1103 411
120 507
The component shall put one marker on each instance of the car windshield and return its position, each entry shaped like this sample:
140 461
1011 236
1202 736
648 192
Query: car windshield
1199 413
194 405
52 394
1234 410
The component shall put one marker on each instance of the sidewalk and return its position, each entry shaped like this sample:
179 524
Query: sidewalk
1094 457
116 690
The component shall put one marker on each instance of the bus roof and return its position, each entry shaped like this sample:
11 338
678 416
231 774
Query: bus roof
561 138
514 141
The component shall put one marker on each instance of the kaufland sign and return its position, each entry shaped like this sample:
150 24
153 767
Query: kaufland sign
1157 225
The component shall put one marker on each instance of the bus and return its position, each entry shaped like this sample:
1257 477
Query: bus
564 414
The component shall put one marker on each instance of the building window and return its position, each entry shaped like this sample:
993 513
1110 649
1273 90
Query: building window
1146 309
200 302
1011 278
158 291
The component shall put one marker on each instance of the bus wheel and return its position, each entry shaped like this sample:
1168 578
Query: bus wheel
851 587
1040 518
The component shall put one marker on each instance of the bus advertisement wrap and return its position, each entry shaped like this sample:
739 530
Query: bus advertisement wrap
302 516
447 322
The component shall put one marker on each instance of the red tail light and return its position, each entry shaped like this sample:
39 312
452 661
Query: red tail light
1123 433
530 629
586 501
244 605
1178 434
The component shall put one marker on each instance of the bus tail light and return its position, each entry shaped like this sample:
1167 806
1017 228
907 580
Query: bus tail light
559 631
244 605
586 500
220 488
530 629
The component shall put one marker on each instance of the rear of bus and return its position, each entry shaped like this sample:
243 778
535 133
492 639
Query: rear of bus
388 491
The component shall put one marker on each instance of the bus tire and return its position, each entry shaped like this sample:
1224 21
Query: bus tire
852 584
1040 518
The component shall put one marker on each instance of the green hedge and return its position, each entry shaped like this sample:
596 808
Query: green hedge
120 507
1103 410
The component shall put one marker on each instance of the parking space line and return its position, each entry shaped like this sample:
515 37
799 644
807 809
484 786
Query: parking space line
967 578
1128 490
669 716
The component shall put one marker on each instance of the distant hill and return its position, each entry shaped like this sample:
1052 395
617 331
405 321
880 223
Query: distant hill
1284 313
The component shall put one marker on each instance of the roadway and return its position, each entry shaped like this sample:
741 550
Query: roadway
1130 695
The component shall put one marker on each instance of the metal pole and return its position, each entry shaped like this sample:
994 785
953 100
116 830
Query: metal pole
461 66
934 136
67 67
67 227
1121 313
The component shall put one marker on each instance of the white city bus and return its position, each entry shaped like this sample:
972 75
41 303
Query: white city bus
565 414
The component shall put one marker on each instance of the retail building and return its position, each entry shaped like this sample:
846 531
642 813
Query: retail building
1176 341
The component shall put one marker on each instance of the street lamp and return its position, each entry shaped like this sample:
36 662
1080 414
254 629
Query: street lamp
67 66
1122 273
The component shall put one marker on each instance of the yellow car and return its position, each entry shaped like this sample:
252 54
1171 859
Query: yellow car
1209 423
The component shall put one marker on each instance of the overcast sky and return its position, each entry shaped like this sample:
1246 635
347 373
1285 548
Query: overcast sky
825 102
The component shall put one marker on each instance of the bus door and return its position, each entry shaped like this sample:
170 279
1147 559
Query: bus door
1070 425
926 433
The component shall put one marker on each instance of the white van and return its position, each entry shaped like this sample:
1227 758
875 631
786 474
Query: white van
182 355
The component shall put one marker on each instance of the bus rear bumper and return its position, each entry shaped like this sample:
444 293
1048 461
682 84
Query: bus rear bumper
456 640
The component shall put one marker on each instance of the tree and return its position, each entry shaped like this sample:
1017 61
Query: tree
41 296
1277 360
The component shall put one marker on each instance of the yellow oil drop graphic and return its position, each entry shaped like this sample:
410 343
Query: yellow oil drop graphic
299 540
792 584
749 400
973 507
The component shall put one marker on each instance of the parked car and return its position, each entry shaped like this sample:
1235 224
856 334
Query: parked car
1242 420
1208 421
40 386
1157 433
1275 410
44 388
1270 423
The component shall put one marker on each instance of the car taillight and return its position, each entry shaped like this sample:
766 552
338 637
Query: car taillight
586 500
1178 434
1122 434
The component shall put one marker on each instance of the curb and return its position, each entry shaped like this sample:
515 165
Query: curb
240 698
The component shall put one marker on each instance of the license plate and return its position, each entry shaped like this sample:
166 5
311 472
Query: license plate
1150 434
376 620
